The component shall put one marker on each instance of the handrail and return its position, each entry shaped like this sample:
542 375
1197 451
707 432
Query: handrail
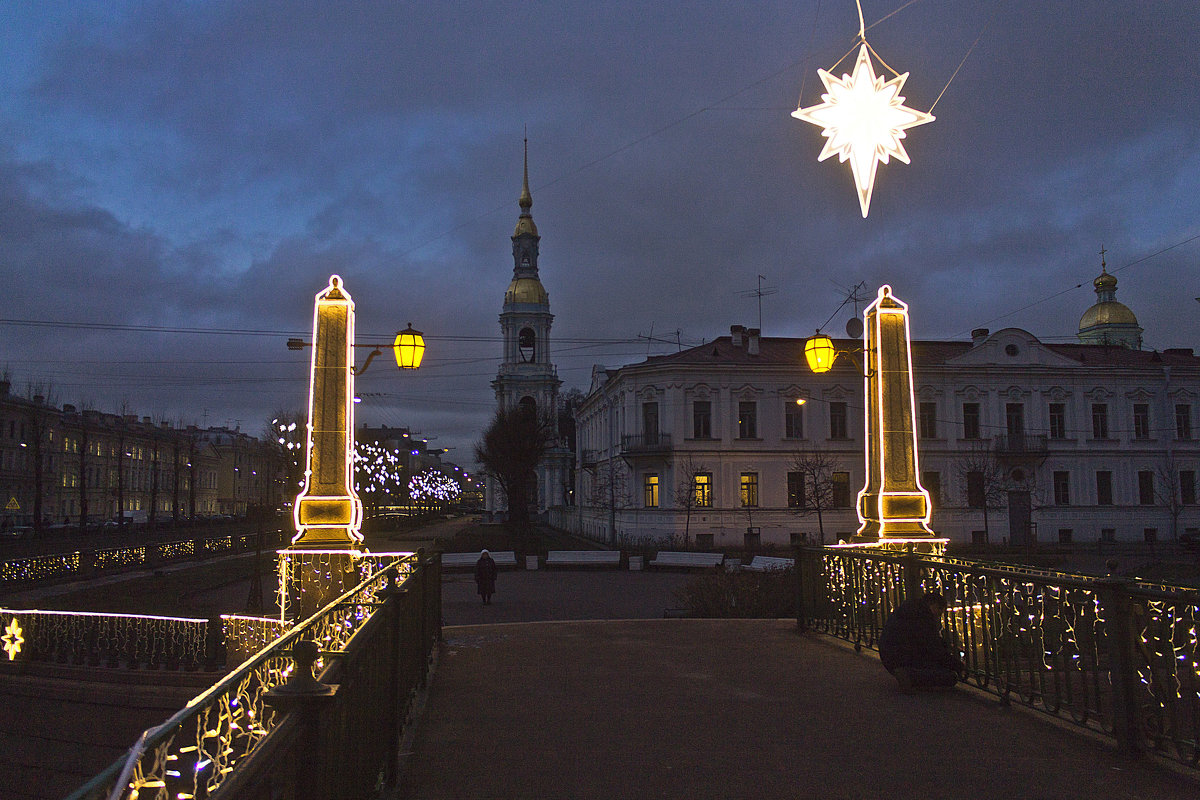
234 697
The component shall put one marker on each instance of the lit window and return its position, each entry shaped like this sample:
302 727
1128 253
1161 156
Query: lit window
702 482
650 487
841 489
749 489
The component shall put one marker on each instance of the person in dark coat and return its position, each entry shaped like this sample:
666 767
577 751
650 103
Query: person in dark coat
911 646
485 577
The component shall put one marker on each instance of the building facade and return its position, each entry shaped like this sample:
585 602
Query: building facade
58 464
526 376
1019 440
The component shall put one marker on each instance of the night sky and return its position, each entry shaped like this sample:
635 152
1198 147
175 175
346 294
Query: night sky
193 172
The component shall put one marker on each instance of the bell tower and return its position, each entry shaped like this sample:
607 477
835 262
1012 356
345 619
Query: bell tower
526 375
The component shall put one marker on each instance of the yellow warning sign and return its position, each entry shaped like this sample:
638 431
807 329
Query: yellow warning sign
13 505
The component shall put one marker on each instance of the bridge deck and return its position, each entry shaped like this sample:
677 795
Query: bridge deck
730 708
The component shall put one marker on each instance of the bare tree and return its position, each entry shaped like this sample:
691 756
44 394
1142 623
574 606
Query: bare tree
511 448
817 487
983 479
37 419
685 490
1168 492
85 444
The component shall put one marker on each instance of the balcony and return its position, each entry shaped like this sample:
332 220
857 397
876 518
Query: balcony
1020 445
645 444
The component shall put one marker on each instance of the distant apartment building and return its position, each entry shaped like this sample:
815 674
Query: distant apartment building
1019 439
74 462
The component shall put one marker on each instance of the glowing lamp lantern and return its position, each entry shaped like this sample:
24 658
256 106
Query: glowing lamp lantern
819 353
409 348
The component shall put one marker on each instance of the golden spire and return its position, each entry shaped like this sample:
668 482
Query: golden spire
526 198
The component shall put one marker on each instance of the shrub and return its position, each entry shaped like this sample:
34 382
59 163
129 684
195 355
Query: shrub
740 594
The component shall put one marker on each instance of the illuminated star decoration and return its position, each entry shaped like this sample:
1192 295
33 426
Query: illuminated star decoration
13 639
864 119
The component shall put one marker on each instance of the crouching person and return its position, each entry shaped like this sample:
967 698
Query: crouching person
912 649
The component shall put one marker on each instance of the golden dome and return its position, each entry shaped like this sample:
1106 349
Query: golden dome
1107 313
1105 281
526 290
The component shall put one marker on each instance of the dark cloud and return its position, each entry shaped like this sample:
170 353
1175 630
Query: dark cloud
209 165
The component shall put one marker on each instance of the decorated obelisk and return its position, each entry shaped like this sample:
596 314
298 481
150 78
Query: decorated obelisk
892 505
328 513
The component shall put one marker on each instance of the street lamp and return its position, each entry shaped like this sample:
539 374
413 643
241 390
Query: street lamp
408 348
820 354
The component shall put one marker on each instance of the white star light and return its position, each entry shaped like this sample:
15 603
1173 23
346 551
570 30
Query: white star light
864 119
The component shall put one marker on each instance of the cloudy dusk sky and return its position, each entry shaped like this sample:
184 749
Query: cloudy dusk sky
178 179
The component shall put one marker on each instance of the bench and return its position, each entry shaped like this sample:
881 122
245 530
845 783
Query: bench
765 563
583 558
670 558
503 558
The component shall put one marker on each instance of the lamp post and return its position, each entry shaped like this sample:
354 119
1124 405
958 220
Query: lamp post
892 507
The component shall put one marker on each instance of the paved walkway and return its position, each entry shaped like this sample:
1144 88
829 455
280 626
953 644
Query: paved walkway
719 709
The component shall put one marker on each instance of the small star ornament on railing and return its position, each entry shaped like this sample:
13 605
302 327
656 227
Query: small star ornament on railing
863 118
13 638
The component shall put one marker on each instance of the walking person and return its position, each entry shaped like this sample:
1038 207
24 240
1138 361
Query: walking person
912 649
485 577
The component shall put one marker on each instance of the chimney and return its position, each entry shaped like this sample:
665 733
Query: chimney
978 336
735 335
752 341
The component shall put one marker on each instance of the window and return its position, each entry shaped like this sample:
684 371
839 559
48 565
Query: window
1150 535
1099 420
978 537
841 489
1014 418
749 489
526 340
1065 535
1062 488
976 493
932 481
1104 495
837 421
702 481
650 422
1183 422
702 419
1187 487
650 490
928 420
1141 421
1146 487
1058 420
970 420
793 420
795 489
1108 534
747 419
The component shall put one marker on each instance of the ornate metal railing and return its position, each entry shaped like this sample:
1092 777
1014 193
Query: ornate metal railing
1120 657
126 641
238 740
86 563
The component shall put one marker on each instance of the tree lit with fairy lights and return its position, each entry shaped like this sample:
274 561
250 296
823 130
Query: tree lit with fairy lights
433 487
378 474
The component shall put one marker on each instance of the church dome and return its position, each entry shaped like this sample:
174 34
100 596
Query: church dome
526 290
1110 313
1108 321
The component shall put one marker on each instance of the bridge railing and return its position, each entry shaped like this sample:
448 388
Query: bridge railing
1118 656
375 642
15 572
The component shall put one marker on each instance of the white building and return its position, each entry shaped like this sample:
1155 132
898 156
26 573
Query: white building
1062 442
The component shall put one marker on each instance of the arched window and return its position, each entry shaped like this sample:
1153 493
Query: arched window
528 405
526 341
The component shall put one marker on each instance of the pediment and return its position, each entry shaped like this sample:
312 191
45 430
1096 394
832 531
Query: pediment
1011 347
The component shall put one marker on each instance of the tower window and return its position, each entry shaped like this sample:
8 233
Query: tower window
526 343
